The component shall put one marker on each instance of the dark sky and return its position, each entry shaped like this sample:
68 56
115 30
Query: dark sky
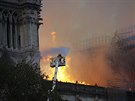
73 20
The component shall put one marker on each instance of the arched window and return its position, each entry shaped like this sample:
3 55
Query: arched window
13 32
19 41
8 32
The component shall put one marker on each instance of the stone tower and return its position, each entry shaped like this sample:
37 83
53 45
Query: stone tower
19 24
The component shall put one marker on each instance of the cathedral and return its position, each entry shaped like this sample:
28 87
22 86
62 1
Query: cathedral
19 25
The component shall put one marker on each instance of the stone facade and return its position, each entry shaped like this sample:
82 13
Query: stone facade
19 24
80 92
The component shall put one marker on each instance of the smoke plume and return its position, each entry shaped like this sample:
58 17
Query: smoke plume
82 19
55 51
91 66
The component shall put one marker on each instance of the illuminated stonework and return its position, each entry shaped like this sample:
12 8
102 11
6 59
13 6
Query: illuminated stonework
19 24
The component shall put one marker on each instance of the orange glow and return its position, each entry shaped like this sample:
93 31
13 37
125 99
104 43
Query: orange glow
93 72
48 58
53 34
62 72
84 83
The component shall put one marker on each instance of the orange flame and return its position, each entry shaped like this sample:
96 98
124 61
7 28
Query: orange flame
63 74
48 58
53 34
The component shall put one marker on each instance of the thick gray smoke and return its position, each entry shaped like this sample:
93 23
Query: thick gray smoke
122 59
110 66
55 51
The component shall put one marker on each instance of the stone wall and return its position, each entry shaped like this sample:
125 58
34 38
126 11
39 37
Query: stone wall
79 92
19 24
